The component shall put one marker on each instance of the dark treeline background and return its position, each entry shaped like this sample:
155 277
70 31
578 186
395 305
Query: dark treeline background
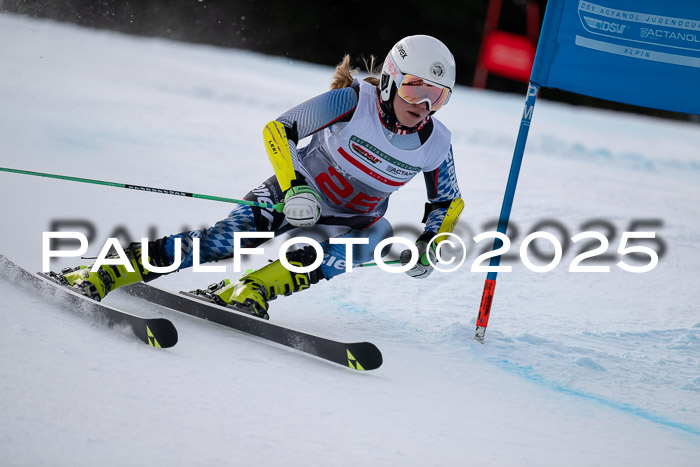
317 32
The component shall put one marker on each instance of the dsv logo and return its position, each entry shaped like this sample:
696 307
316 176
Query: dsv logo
606 26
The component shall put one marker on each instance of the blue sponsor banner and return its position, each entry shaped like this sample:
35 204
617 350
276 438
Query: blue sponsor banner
640 52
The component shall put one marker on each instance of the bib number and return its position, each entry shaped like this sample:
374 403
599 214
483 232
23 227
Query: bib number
342 193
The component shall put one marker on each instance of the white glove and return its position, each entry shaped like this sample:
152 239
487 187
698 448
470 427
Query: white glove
302 206
422 269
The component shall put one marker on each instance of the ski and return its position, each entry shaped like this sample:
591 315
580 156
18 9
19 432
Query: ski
358 355
156 332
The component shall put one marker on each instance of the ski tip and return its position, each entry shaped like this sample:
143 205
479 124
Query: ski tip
160 333
364 356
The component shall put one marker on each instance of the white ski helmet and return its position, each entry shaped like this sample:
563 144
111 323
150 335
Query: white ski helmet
423 57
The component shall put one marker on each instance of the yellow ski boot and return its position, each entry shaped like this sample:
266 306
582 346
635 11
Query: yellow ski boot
253 291
107 277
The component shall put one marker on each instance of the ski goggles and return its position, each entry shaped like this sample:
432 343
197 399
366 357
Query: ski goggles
415 90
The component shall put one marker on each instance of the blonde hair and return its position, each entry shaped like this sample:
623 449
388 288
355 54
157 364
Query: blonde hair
344 75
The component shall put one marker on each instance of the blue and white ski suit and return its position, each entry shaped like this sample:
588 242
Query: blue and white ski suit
354 162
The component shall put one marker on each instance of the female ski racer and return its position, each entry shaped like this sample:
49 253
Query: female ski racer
368 138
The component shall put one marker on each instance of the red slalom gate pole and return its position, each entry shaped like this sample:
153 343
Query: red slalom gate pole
487 297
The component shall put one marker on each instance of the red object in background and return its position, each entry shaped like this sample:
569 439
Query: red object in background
508 55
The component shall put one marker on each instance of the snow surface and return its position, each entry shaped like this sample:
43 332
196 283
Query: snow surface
577 368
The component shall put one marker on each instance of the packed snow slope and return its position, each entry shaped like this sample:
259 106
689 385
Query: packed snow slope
587 368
